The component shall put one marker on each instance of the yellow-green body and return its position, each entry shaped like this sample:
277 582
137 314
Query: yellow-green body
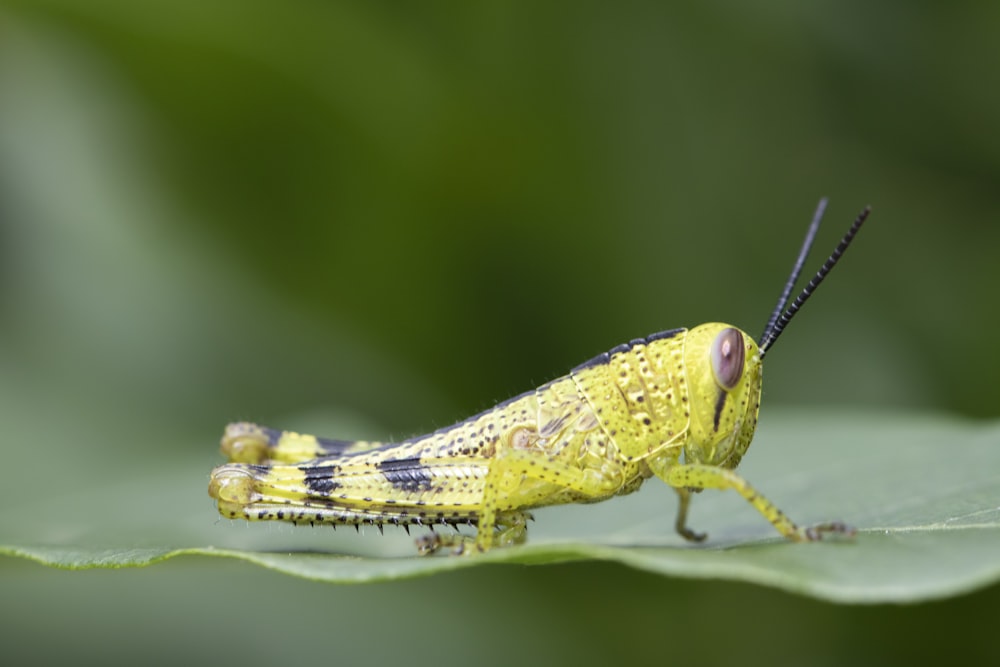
652 407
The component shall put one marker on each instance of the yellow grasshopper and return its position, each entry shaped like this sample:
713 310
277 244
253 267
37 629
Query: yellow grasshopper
680 405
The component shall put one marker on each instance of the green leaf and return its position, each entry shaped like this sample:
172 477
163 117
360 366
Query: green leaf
924 493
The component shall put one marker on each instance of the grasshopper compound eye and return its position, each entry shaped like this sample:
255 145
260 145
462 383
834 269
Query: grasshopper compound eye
727 357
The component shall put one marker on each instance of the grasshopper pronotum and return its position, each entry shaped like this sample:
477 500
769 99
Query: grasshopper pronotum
680 405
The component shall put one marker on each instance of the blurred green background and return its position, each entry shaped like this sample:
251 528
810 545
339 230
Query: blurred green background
376 218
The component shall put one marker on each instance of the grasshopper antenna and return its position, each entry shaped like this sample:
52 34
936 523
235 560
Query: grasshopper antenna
781 317
797 269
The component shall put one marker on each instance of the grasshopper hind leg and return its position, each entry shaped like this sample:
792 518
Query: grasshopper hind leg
511 528
243 442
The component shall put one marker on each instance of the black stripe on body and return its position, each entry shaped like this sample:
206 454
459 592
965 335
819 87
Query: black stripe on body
273 435
719 404
320 479
324 446
605 357
663 335
331 447
600 359
409 475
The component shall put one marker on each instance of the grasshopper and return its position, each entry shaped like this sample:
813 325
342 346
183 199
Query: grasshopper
680 405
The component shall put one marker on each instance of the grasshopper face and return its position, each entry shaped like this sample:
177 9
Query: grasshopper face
724 373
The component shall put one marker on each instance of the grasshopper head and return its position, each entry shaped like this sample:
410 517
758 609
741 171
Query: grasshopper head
723 365
723 375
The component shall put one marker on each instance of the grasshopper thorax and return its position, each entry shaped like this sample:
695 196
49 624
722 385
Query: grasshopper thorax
723 368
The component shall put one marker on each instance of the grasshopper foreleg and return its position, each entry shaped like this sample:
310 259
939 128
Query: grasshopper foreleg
680 525
696 476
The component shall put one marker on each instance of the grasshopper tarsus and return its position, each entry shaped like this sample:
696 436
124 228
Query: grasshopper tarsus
836 529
